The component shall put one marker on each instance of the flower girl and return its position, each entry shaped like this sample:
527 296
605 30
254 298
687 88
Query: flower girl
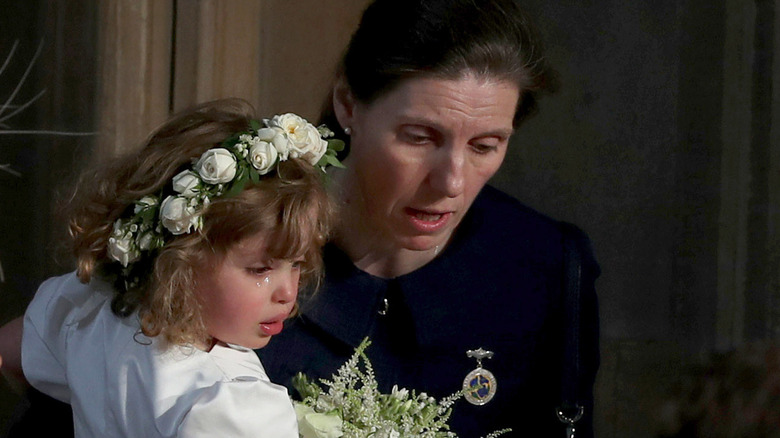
190 253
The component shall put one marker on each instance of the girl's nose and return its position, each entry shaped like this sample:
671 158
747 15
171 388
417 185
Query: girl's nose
286 290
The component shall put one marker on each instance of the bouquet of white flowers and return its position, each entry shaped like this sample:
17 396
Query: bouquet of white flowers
353 407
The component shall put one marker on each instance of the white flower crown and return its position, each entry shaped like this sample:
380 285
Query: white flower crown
220 171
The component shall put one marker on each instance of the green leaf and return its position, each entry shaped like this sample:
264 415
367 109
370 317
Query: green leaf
236 188
333 161
242 176
231 141
147 215
254 176
255 125
334 144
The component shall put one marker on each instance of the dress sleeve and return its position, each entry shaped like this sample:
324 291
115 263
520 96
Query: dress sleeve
43 340
241 408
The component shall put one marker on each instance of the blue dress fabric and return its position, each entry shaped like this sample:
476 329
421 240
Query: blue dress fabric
497 286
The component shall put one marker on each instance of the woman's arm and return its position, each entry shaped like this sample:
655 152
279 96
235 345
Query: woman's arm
11 354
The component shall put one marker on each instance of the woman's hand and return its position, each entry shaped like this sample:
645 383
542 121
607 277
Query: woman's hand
11 354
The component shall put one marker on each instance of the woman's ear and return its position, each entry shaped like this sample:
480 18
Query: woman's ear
343 103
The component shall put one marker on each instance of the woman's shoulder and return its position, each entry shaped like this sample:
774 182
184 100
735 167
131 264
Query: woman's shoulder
496 216
498 220
494 202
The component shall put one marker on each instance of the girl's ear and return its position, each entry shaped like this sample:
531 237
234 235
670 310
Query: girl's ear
343 103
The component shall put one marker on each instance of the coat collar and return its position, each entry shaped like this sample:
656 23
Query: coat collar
347 305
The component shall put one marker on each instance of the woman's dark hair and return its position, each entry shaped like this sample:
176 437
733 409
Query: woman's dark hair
448 39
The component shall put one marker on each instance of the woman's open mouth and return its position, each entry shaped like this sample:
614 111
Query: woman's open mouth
428 221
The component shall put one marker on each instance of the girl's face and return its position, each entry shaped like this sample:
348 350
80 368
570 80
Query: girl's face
246 296
421 154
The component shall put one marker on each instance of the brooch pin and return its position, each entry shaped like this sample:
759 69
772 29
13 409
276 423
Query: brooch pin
479 386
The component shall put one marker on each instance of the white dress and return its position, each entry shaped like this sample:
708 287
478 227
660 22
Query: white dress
123 384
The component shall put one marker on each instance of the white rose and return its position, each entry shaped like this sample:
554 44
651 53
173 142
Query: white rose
177 216
216 166
277 137
122 250
316 146
144 203
263 156
120 245
312 424
144 241
304 139
186 183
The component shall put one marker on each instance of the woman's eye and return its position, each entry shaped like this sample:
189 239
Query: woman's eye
486 146
483 148
416 137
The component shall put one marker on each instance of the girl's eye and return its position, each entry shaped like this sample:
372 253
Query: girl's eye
259 270
298 264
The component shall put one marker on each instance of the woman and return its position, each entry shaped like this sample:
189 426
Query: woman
428 261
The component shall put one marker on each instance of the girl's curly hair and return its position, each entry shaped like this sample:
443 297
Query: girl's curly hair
290 204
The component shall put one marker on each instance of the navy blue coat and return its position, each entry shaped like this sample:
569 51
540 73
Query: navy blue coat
496 286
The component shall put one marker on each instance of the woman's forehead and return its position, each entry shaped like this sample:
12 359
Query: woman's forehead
442 101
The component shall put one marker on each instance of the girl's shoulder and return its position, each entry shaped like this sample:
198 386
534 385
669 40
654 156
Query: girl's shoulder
223 390
240 408
64 301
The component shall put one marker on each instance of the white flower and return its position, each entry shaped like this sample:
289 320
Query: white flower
144 241
186 183
216 166
399 394
353 397
304 139
277 137
387 432
177 216
325 132
144 203
312 424
121 246
122 250
263 156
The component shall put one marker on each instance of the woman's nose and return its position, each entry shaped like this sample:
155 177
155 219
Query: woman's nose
447 176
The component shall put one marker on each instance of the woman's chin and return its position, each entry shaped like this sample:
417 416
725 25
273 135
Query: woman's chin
425 243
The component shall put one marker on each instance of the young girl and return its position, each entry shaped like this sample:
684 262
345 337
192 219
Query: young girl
190 254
